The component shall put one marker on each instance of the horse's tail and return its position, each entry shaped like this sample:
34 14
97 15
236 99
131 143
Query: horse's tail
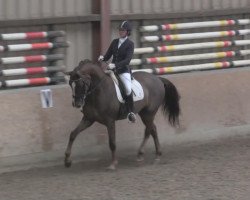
171 105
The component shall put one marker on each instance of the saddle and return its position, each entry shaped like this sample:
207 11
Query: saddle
137 90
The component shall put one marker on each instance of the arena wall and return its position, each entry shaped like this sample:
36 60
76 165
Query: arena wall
214 104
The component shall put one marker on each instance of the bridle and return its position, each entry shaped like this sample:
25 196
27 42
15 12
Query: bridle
89 90
74 96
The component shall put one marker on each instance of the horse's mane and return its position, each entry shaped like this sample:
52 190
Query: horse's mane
82 63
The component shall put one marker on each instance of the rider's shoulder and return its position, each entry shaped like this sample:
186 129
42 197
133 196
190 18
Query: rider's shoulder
115 40
130 41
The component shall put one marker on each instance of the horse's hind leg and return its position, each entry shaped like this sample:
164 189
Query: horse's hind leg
81 126
156 141
141 148
148 120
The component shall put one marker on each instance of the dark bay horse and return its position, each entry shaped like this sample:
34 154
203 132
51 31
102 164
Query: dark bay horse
94 92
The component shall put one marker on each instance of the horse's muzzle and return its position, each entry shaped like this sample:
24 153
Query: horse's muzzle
78 104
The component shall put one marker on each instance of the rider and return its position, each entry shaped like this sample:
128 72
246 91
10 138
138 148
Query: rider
122 50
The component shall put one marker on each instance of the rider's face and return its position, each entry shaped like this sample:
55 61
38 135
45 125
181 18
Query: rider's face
122 33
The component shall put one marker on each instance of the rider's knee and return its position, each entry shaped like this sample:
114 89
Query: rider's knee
128 91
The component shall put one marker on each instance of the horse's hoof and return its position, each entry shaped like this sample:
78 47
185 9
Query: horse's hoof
140 159
111 168
67 163
157 160
140 156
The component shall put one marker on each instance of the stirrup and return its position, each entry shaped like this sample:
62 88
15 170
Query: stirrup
131 117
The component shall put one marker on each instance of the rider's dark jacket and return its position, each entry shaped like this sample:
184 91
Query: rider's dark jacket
121 56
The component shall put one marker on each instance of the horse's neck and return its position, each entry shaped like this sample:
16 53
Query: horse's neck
98 76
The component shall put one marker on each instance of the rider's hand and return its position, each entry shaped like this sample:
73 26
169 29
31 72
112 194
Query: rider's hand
101 58
111 66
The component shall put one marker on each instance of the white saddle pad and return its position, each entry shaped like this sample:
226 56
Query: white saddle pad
137 89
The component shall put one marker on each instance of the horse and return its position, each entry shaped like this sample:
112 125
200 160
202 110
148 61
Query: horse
94 92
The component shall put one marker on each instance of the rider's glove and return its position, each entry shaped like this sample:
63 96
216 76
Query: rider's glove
111 66
101 58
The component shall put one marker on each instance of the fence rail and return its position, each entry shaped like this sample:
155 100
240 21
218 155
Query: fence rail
198 67
33 46
29 59
30 70
202 56
238 38
32 82
43 75
31 35
193 36
190 25
201 45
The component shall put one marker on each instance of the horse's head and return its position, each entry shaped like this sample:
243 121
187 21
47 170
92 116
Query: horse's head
79 81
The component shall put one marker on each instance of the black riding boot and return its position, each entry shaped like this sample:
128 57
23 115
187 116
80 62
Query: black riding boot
130 106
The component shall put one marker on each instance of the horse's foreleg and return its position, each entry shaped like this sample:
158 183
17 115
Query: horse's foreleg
112 145
81 126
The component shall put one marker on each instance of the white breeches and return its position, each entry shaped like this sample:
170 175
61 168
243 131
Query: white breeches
126 80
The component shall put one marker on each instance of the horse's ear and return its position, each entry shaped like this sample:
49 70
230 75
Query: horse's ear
85 61
68 73
81 63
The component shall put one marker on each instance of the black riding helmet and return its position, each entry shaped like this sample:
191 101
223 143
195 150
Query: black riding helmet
125 26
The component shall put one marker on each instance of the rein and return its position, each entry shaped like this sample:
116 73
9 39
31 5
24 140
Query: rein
96 86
